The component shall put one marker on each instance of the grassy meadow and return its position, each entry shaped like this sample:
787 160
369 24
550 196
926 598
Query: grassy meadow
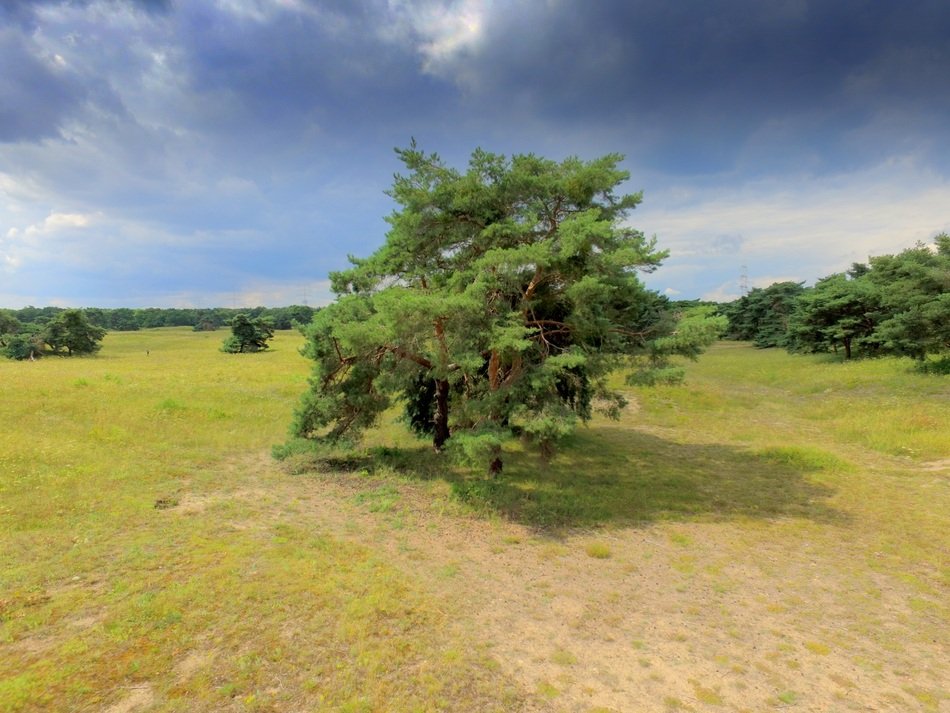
772 534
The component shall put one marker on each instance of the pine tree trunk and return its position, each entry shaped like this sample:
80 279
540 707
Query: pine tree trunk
494 363
441 421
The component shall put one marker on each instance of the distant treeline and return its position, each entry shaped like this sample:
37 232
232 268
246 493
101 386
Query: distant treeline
893 304
124 319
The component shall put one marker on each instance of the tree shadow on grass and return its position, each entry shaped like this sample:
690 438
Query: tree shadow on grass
609 475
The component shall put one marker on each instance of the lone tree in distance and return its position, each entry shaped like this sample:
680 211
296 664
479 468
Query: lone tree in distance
72 332
500 302
248 334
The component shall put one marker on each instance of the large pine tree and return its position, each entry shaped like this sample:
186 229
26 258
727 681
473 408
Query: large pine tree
501 300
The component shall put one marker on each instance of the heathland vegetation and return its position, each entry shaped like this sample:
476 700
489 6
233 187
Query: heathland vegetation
772 532
32 332
750 531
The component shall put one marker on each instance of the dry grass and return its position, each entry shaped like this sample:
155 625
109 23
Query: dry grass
147 564
777 531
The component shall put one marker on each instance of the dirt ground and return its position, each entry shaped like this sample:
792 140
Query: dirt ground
732 616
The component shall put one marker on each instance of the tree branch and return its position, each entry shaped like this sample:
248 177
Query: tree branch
403 354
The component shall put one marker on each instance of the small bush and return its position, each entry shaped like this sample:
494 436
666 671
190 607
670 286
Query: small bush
22 346
940 366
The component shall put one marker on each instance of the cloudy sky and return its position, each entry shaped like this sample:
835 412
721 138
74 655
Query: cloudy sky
232 152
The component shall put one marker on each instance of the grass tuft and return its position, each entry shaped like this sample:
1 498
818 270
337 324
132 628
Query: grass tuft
597 550
563 657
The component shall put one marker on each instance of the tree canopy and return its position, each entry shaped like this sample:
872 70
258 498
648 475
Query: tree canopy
894 304
841 310
125 319
248 334
9 325
915 294
501 300
763 315
67 332
71 332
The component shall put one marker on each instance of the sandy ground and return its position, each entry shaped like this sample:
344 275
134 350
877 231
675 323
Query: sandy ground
678 616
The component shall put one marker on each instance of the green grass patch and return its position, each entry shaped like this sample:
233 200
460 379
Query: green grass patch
787 697
142 526
597 550
803 458
562 657
380 499
709 696
547 691
141 529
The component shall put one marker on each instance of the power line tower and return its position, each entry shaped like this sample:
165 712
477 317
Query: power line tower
744 280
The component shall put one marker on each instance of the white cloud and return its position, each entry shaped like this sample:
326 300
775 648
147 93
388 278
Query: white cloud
48 236
262 11
796 228
58 222
444 32
20 188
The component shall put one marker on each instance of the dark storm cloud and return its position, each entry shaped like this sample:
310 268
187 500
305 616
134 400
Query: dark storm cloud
329 70
207 143
24 10
698 78
39 90
35 94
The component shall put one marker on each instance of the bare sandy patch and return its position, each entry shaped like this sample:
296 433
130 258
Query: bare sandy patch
138 698
88 621
192 663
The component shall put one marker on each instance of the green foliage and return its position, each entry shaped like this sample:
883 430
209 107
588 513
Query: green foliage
694 328
72 332
915 294
15 341
9 325
895 304
763 315
248 334
935 366
125 319
67 332
837 312
502 298
22 346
